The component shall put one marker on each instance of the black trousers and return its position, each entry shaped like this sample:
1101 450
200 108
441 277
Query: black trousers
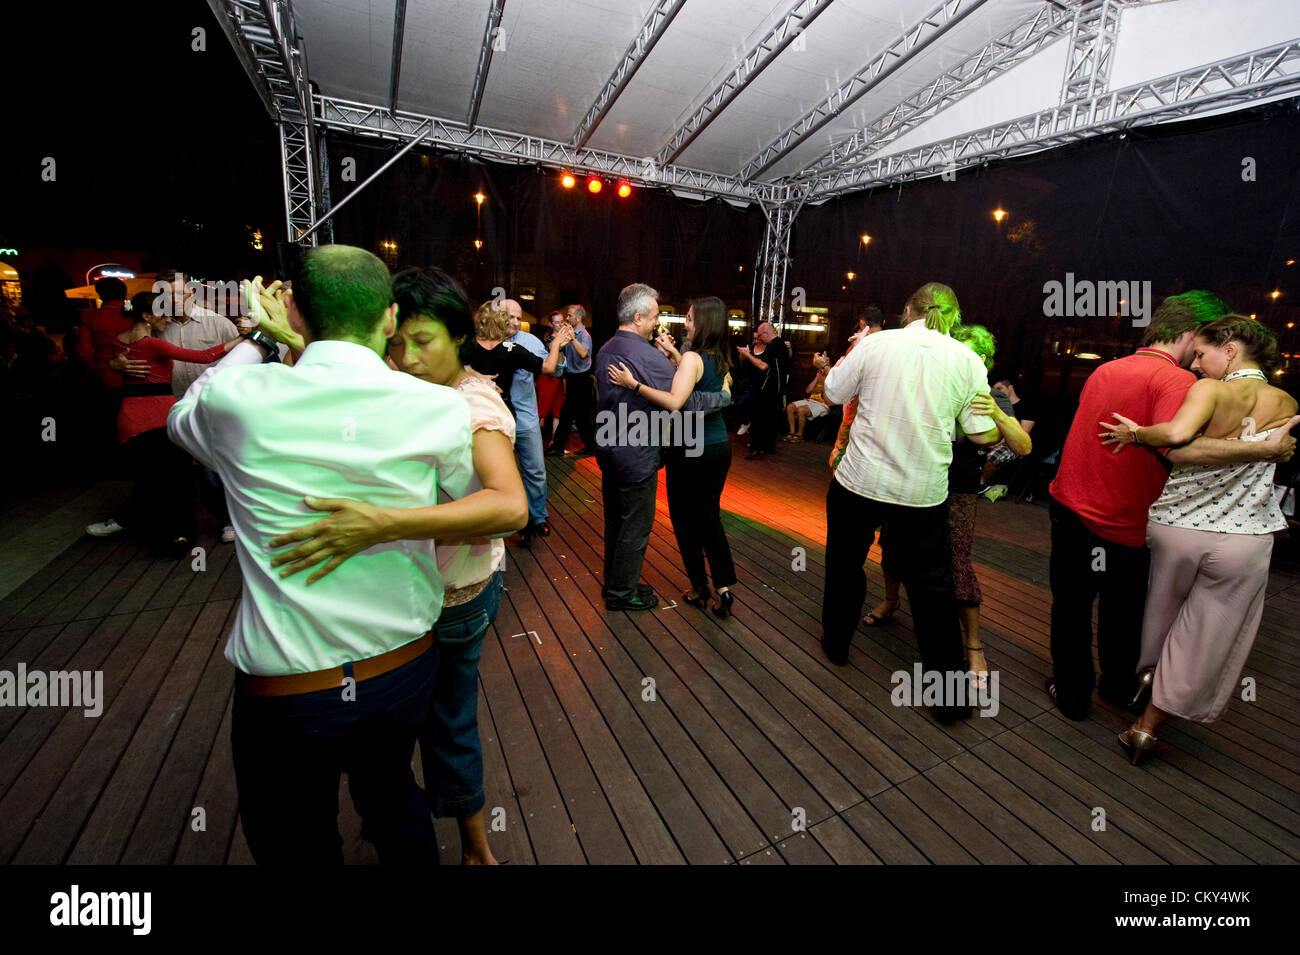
768 415
918 556
694 495
1086 568
161 506
579 402
629 515
288 754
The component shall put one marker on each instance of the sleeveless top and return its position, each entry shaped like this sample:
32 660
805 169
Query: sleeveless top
715 429
1227 498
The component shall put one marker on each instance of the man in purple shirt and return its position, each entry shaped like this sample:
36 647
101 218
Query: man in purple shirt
627 445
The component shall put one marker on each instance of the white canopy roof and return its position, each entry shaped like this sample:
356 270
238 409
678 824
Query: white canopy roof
550 61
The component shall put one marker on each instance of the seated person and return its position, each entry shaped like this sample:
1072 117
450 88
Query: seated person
814 406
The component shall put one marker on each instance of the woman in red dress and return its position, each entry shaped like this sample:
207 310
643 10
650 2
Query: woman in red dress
161 506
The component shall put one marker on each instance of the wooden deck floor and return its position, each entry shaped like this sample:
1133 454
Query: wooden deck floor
750 726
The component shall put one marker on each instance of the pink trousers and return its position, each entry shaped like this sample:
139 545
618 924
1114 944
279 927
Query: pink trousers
1205 599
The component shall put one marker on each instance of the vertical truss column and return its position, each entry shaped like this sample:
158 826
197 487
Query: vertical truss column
774 260
266 41
298 167
1092 51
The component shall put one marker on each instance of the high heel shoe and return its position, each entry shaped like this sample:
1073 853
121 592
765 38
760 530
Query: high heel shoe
1145 681
696 598
722 608
1138 743
873 619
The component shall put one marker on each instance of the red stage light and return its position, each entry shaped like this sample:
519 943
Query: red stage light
567 180
594 185
624 190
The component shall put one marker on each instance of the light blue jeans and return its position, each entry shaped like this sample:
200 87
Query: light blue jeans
532 467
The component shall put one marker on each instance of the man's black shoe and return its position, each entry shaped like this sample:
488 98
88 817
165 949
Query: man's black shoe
648 602
554 452
642 590
584 452
951 714
1069 709
542 529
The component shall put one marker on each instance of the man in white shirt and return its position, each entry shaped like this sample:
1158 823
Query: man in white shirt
335 677
914 387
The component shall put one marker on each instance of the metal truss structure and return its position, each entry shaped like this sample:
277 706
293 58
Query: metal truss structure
755 60
1234 81
369 120
1027 38
267 44
652 28
774 261
917 37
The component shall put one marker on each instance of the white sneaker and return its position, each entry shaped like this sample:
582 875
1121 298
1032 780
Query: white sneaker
104 528
227 534
743 429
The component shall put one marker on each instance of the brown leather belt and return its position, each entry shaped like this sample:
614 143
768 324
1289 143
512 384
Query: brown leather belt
295 683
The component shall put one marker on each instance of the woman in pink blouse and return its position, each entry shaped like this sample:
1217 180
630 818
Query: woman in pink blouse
160 507
435 336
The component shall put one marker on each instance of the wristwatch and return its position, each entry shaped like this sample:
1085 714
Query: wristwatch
259 337
637 389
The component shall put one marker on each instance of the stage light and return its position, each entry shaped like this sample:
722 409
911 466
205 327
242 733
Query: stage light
1290 324
866 239
851 275
999 214
479 197
1274 294
478 243
624 190
567 180
1290 261
594 185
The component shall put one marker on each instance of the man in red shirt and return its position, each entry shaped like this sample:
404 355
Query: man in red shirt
1100 503
97 342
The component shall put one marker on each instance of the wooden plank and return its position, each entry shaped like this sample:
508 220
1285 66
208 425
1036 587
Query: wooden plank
963 827
217 796
167 811
842 844
53 835
630 768
679 779
545 814
920 830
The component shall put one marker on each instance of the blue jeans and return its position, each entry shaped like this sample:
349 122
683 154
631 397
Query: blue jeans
290 750
532 468
450 750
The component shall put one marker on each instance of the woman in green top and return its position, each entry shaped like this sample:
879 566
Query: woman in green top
696 475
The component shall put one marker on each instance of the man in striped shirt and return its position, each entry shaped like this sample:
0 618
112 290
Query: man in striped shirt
914 386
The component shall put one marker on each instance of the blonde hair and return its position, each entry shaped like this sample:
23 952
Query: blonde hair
492 322
923 302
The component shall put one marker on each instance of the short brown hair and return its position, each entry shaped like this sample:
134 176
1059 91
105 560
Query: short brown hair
1179 314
